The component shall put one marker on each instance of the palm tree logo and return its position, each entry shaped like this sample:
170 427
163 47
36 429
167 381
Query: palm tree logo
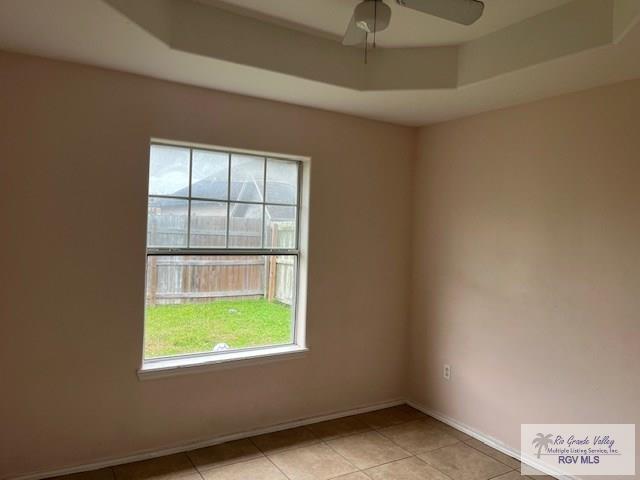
542 441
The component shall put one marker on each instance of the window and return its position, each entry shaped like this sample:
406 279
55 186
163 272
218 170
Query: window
223 256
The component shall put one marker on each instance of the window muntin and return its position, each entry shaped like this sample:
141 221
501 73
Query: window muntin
222 251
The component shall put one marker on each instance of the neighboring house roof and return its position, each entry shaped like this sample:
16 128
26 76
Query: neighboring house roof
279 192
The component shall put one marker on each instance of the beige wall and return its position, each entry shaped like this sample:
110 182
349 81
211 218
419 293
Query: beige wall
73 172
526 254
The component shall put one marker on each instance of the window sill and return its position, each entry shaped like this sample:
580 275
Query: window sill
203 363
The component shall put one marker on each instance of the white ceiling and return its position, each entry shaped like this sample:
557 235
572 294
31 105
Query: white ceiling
95 33
408 28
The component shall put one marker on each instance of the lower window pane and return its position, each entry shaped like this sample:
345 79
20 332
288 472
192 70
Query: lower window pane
207 304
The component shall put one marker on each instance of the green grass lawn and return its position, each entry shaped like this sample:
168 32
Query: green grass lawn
196 328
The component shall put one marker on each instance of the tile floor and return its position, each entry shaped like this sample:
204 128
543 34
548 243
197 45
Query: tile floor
398 443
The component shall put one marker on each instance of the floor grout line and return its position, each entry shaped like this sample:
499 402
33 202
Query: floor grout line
458 443
439 448
194 465
500 474
390 461
278 468
503 463
434 467
342 456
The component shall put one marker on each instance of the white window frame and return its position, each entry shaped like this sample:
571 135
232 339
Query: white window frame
194 363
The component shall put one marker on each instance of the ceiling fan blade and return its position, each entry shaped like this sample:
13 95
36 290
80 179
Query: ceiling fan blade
464 12
354 35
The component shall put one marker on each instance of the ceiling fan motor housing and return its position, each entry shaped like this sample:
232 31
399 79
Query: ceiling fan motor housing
372 15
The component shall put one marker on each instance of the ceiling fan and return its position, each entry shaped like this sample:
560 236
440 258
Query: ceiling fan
371 16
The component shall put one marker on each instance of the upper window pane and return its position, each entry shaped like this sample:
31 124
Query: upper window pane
282 181
208 224
245 225
210 175
280 227
247 178
167 222
205 198
169 171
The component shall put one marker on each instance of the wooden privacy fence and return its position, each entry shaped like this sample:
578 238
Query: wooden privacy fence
206 231
202 279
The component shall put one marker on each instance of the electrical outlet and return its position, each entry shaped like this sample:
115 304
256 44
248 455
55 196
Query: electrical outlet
446 372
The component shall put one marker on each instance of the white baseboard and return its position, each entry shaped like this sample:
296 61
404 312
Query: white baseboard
492 442
148 454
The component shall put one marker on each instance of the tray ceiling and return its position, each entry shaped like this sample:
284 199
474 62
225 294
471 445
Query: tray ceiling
581 44
329 18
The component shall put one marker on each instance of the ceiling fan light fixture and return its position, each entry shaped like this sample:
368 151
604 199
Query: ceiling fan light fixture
372 15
